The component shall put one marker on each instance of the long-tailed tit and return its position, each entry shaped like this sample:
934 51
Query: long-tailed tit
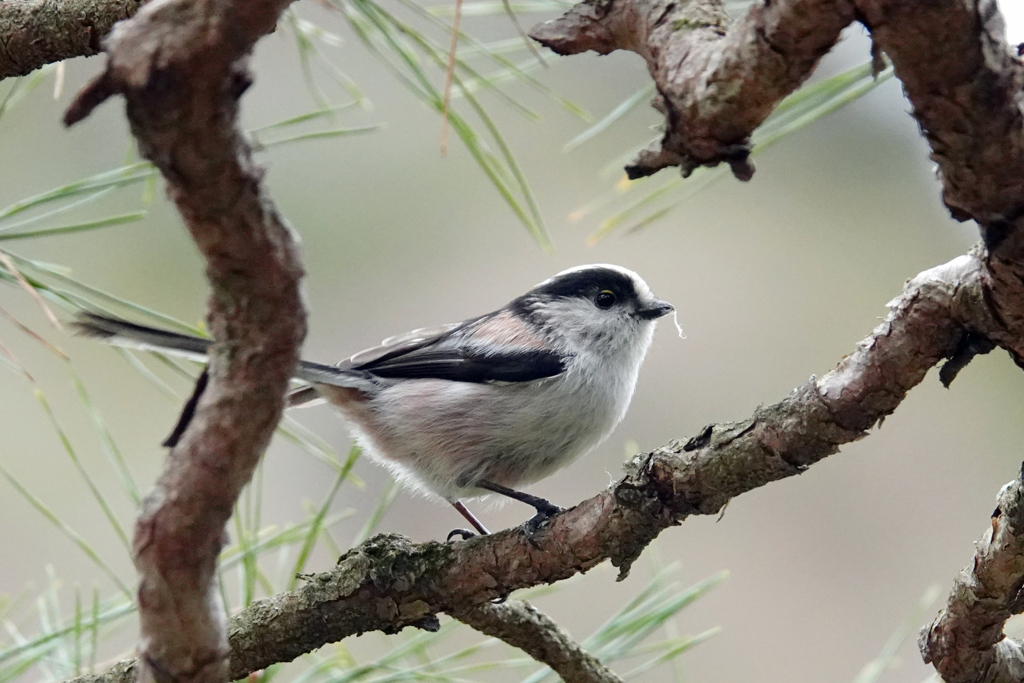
486 405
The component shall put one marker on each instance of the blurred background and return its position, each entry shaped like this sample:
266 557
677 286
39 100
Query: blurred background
774 280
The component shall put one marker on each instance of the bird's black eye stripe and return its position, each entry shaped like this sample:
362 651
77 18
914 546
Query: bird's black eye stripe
606 299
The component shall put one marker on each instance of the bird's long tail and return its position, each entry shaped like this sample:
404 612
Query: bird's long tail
120 332
129 335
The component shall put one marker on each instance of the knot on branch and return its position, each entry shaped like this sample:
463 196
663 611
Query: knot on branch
676 37
672 150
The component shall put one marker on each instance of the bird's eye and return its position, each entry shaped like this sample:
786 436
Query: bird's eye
606 299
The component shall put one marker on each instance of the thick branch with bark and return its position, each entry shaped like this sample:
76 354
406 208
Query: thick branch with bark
966 641
389 583
964 83
34 33
717 82
180 67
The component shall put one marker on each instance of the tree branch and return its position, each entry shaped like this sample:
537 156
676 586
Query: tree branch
717 84
966 642
34 33
964 83
520 625
180 67
389 583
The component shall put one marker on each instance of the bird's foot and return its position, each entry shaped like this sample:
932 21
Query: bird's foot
466 534
539 521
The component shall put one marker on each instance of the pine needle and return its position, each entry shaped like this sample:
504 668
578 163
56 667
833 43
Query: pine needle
6 261
448 75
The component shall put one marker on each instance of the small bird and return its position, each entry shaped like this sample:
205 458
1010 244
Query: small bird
486 405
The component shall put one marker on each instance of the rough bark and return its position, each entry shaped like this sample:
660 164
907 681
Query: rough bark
718 81
964 83
180 67
34 33
965 643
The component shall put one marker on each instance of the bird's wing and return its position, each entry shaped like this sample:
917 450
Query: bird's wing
400 344
492 348
469 364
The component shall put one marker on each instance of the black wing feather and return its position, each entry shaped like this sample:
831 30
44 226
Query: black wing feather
463 364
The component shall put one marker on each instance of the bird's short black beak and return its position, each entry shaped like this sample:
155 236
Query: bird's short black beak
654 310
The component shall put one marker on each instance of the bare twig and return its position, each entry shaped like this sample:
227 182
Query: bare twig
180 67
33 34
966 642
521 625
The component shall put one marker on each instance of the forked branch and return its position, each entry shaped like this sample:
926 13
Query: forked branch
519 624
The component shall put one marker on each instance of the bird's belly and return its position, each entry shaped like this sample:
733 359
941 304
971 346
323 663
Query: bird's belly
445 436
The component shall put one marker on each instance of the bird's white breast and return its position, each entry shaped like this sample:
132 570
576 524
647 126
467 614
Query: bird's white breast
441 436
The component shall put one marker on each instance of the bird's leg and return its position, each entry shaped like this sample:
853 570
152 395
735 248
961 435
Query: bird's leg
466 534
471 518
542 506
545 508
